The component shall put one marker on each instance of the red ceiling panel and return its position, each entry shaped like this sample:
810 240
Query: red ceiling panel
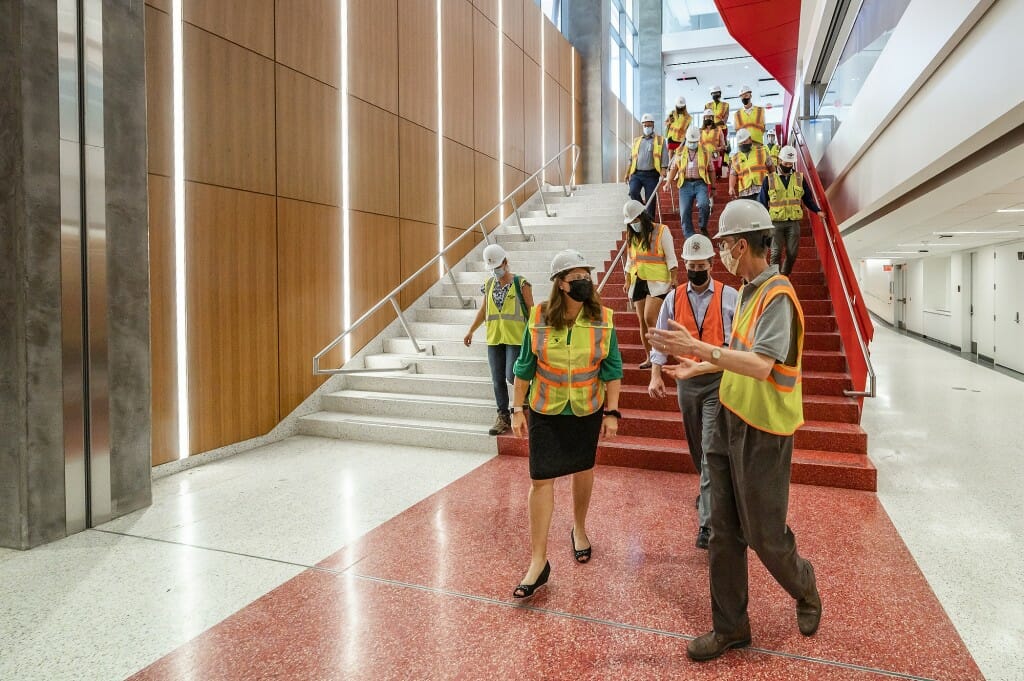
769 30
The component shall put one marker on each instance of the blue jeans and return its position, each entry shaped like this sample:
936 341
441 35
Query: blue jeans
648 181
694 189
502 358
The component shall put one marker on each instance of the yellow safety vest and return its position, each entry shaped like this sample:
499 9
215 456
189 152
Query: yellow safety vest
568 369
776 404
659 143
773 151
703 158
711 137
785 203
721 111
678 123
649 265
751 168
505 326
752 121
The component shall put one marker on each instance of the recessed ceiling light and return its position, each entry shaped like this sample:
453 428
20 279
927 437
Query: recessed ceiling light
983 233
1010 210
897 252
925 245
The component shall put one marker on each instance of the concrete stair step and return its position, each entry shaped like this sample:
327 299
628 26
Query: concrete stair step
418 406
450 435
406 383
472 367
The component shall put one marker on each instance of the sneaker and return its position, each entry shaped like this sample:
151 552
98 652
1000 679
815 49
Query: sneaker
703 536
501 424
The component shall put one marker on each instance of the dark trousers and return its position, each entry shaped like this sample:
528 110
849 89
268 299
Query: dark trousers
699 406
647 180
502 358
749 471
785 241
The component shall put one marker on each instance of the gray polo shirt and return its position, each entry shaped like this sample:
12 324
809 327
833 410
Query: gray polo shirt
777 333
645 154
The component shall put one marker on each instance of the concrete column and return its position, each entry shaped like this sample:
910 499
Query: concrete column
32 458
650 92
587 30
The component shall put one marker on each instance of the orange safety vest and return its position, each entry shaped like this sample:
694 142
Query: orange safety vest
659 143
721 110
750 168
712 329
752 121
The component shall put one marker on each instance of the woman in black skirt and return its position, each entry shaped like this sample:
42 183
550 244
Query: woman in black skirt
571 365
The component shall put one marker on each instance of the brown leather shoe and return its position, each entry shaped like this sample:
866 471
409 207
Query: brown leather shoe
808 614
712 645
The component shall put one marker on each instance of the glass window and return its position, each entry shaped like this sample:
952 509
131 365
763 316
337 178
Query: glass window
614 72
628 99
613 15
627 5
689 15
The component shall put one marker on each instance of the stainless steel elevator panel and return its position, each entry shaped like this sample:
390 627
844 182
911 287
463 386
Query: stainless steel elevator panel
73 339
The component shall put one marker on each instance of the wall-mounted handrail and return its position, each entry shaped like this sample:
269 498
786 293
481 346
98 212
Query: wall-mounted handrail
622 249
860 321
391 298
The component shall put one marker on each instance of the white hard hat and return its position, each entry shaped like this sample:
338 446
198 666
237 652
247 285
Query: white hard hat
647 118
631 211
716 88
494 255
742 135
745 89
741 216
693 135
566 260
698 247
787 154
680 102
708 112
770 131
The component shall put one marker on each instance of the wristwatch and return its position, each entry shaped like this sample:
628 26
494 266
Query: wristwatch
514 410
716 354
613 412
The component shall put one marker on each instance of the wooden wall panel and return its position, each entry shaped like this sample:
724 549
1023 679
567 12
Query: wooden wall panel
460 250
512 104
551 145
307 138
373 52
417 163
417 62
373 152
418 244
249 23
489 8
486 187
552 38
532 140
232 308
459 185
310 294
565 109
162 5
532 28
513 178
163 349
307 33
512 20
376 272
457 81
159 86
564 63
485 85
229 107
578 68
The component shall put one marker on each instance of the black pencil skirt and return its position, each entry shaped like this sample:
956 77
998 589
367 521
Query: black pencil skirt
562 444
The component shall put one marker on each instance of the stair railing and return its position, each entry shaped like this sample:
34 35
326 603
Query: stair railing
622 249
392 297
853 319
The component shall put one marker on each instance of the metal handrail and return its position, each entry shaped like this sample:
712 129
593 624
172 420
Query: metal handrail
830 238
625 242
391 297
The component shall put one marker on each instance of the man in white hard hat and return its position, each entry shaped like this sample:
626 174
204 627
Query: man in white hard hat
771 146
719 108
782 193
750 165
711 136
677 122
505 307
693 172
648 163
750 117
750 454
706 308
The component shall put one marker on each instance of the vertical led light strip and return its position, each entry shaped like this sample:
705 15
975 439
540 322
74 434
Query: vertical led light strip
346 227
180 307
501 108
543 75
572 108
440 137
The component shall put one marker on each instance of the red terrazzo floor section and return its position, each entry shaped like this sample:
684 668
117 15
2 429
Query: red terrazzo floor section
467 546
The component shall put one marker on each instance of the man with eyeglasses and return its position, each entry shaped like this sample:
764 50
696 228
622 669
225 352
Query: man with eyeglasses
750 453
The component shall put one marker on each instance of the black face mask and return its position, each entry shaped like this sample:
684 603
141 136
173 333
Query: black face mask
746 100
697 277
716 97
745 148
785 170
580 290
709 122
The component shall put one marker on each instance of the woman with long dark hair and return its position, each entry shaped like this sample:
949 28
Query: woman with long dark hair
571 367
650 268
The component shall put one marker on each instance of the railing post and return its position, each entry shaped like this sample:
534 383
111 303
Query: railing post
561 178
540 187
483 230
451 275
515 209
401 319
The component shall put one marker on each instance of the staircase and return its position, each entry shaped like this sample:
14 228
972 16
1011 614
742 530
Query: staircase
831 447
443 398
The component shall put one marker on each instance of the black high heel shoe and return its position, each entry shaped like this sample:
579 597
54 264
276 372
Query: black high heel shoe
526 590
581 555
